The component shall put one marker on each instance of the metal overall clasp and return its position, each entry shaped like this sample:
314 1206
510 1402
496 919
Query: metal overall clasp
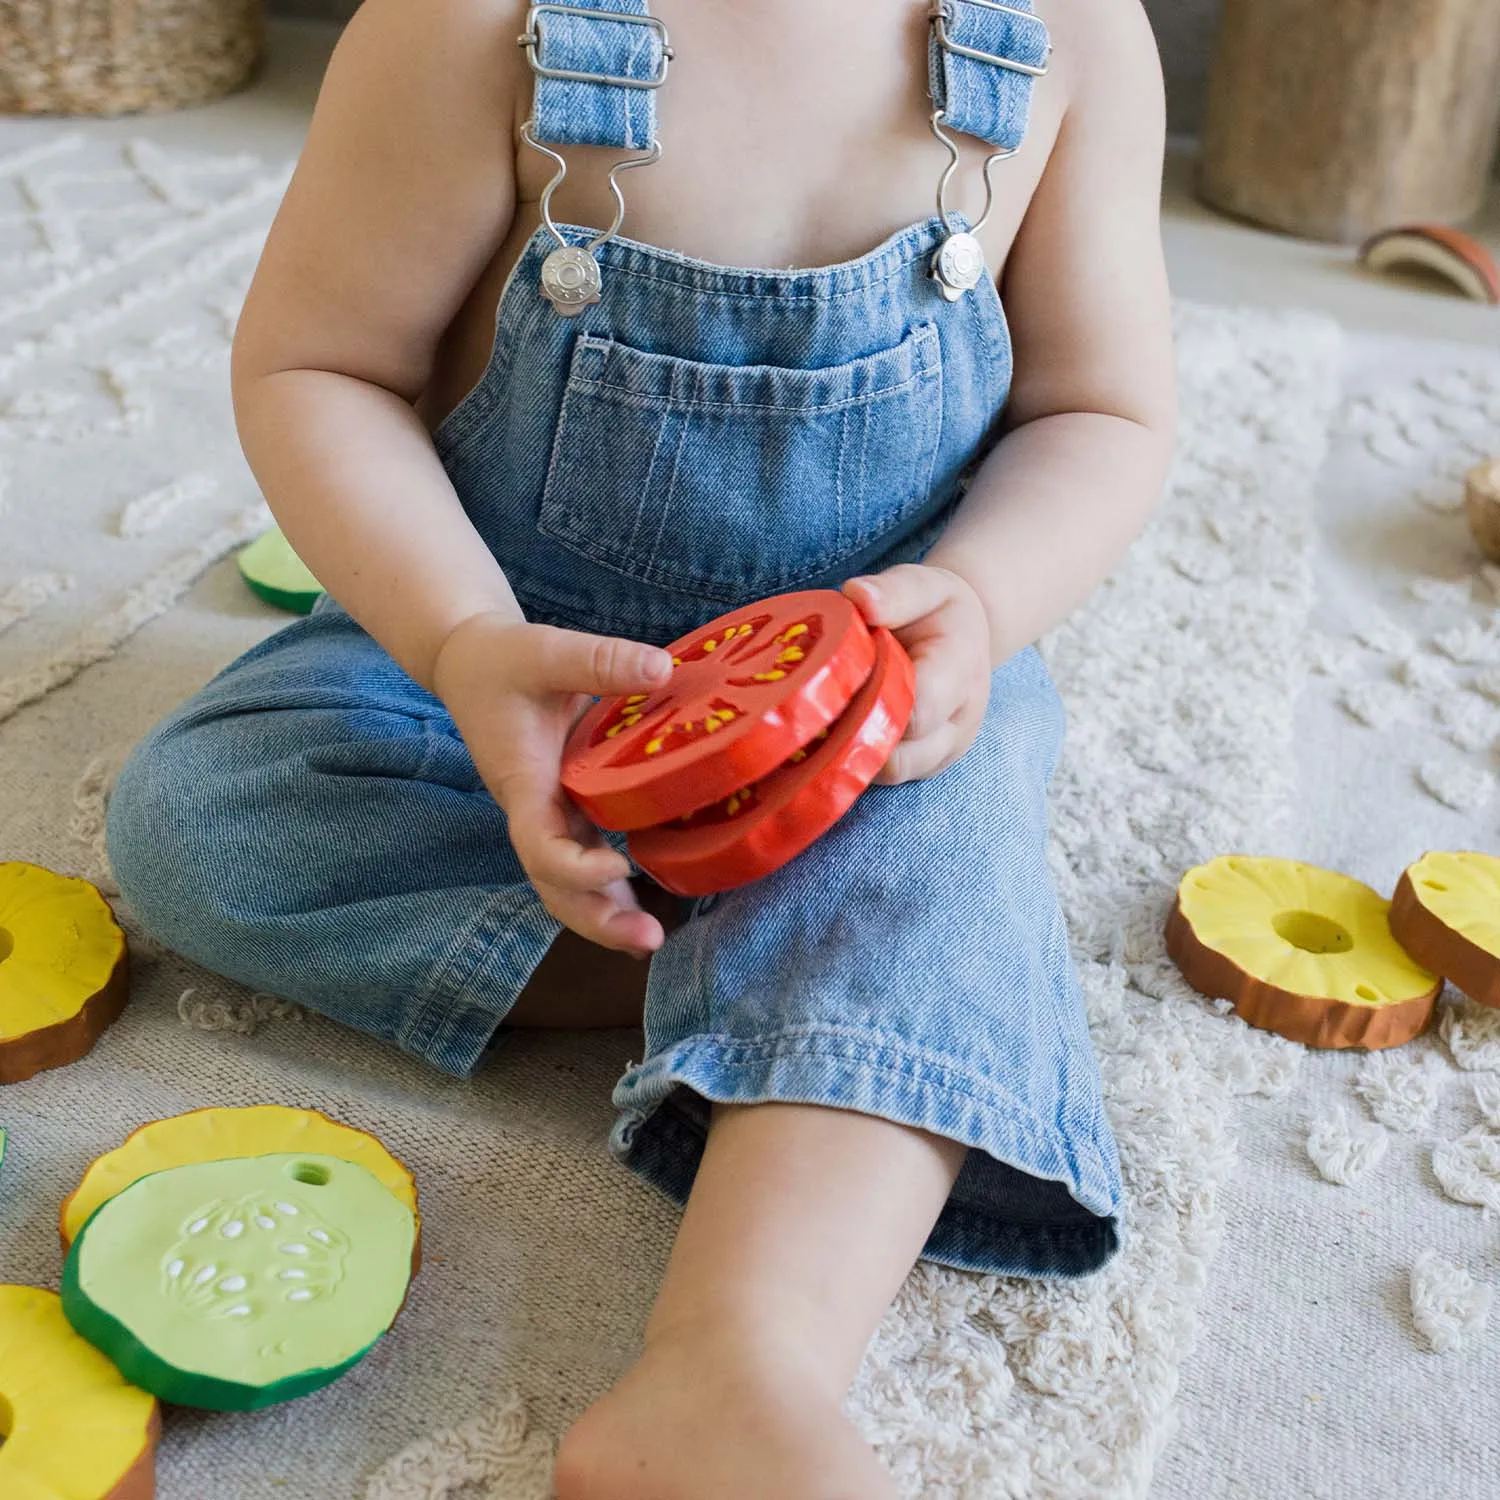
570 278
958 264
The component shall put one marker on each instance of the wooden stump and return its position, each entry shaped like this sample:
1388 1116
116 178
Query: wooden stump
1335 118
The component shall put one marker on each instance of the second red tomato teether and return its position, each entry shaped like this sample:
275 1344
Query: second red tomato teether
759 828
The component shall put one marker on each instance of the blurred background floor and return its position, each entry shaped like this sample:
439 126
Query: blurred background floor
1211 258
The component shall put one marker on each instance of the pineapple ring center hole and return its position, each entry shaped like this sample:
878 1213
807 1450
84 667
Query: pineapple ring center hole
7 1412
310 1172
1312 932
7 947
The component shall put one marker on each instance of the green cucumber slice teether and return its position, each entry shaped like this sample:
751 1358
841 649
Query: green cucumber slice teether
277 575
235 1284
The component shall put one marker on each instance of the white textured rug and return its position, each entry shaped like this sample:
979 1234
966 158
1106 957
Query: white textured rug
119 276
1353 1350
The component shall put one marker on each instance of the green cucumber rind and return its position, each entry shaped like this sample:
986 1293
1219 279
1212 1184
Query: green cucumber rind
146 1369
294 603
297 600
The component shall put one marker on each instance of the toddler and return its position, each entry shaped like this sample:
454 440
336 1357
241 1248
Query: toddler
523 446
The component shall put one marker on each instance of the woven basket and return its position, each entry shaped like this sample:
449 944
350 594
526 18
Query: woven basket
113 57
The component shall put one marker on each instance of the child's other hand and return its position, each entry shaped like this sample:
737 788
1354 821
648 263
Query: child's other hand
942 623
514 691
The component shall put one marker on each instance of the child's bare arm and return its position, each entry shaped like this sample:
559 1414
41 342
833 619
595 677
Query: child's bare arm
1092 412
405 188
406 185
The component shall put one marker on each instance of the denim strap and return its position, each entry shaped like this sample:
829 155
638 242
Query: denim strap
597 112
988 97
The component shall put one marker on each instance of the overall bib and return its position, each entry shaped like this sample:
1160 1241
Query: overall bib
645 454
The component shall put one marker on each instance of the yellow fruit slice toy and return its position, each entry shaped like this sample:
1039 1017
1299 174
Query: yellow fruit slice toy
63 970
1301 951
1446 914
73 1429
204 1135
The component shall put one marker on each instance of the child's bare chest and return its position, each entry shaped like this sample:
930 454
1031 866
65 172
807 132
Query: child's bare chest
791 135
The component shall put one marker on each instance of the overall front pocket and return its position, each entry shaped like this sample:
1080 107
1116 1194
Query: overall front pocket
732 481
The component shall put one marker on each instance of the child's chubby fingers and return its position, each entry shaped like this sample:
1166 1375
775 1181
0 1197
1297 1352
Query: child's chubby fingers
556 846
902 595
583 882
573 661
611 917
944 682
915 759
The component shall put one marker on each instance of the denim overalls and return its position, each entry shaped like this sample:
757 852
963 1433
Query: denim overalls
641 456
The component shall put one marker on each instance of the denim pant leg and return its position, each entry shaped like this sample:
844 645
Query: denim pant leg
912 964
310 824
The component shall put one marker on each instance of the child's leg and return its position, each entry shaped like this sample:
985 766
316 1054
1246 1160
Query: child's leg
821 1048
913 965
312 825
801 1226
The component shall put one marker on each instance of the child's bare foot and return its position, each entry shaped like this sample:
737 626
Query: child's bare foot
694 1420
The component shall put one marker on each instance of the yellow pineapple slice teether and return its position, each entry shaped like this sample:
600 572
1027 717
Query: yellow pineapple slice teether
73 1429
63 975
224 1132
1301 951
1446 914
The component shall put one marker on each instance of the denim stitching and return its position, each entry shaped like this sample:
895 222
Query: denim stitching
602 392
646 486
870 1047
839 531
499 927
461 422
556 518
666 504
717 588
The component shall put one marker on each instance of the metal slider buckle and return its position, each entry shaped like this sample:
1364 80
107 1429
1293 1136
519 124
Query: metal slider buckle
531 40
941 13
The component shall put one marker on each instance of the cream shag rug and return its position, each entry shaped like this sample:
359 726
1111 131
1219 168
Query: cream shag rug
1354 1347
120 273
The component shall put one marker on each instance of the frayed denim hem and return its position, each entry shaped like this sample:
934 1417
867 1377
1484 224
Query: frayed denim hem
1056 1216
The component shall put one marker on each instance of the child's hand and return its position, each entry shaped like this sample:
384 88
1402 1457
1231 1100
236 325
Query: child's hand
942 623
514 691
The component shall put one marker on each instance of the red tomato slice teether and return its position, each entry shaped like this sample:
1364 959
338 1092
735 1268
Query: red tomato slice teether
748 689
759 828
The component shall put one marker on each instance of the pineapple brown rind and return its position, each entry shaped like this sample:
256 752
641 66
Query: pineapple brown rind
56 1046
1443 949
139 1481
1313 1020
